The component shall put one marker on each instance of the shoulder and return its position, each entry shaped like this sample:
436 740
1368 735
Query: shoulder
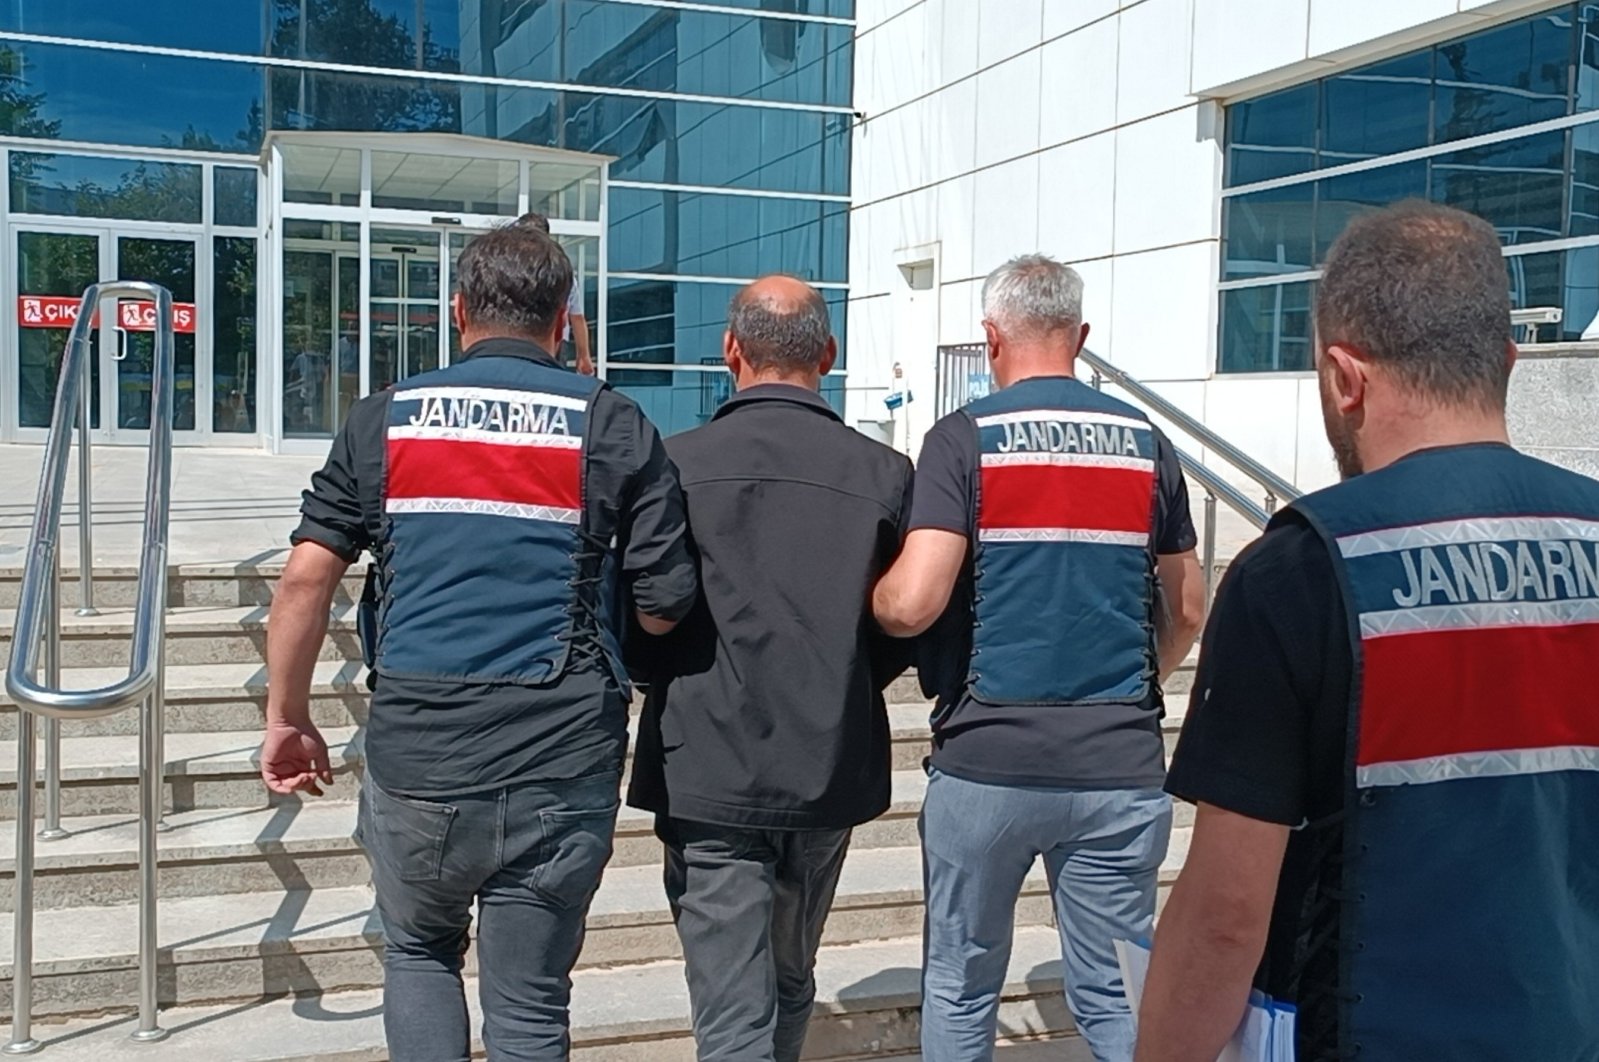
1291 555
369 416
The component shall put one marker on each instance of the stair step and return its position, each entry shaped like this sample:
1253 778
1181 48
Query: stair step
246 583
195 635
868 998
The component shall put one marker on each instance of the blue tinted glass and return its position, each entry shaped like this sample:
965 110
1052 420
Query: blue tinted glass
1585 181
96 187
1377 110
681 401
1270 232
122 98
696 234
1274 136
1568 280
231 26
1267 329
1587 88
663 322
233 196
829 8
358 103
704 144
1580 295
1518 186
1511 76
383 33
1340 200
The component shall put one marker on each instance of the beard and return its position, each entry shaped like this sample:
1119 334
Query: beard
1341 434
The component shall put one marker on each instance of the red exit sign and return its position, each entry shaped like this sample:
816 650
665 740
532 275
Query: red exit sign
61 311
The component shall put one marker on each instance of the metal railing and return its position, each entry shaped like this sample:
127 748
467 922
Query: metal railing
33 678
1277 489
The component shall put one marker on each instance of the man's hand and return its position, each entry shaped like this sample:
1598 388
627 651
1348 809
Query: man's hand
294 759
585 365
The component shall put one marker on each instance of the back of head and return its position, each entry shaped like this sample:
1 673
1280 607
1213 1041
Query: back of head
780 326
513 281
1421 290
1033 298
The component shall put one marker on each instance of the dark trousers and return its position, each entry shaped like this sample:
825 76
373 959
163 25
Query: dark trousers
750 906
531 858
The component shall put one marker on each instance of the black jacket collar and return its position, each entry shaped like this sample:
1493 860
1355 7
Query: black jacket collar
778 392
506 347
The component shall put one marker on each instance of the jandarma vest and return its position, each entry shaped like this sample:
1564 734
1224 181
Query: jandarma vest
1470 853
489 569
1063 567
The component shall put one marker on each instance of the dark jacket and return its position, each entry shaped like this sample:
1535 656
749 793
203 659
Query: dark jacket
765 707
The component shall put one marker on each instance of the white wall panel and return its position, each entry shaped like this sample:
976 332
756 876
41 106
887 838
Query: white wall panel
1007 215
1078 84
1008 27
1008 101
952 38
1167 180
1275 30
1077 198
1063 16
952 140
1155 58
1162 312
957 224
1336 24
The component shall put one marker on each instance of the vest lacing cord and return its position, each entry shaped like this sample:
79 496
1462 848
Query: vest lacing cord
1316 949
583 636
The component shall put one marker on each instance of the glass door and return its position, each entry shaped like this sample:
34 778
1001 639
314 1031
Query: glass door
407 304
170 262
53 269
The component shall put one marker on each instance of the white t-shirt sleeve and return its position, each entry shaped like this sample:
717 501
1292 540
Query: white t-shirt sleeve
574 305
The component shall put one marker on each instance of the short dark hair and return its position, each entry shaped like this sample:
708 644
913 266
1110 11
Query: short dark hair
774 331
533 220
1422 289
514 278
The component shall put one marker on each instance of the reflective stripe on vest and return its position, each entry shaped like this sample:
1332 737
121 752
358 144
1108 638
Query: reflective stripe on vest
1064 515
484 499
1472 854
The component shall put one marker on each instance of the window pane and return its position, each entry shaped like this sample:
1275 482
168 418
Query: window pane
1585 181
1567 279
101 187
1587 57
696 234
1518 186
59 264
233 196
1581 295
1377 110
1274 136
124 98
314 174
320 312
444 183
1267 329
1511 76
224 27
356 103
1341 199
563 190
233 335
662 322
1270 232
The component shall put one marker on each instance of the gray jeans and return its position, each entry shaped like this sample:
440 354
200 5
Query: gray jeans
531 858
750 906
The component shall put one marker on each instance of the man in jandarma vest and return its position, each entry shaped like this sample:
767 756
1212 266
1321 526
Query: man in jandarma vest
1394 734
1056 520
511 507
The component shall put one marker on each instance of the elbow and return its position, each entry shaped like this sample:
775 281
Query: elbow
655 625
903 619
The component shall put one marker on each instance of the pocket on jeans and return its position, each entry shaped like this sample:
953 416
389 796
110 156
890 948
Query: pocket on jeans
575 848
406 834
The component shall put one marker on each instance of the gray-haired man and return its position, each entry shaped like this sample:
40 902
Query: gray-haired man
1049 514
765 737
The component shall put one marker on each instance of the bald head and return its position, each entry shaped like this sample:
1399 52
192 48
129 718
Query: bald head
779 326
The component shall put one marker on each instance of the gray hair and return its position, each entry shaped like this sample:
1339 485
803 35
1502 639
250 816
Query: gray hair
775 331
1033 295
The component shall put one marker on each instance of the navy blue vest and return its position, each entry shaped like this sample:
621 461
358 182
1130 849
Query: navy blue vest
1471 842
489 569
1063 566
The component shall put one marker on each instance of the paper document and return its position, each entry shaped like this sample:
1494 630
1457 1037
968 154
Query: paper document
1265 1035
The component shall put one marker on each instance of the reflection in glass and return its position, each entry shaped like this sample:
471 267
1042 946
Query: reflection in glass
660 322
1267 329
1342 199
315 397
405 305
1270 232
96 186
225 27
697 234
1273 136
1510 76
169 263
1567 279
233 196
564 190
681 401
1517 186
1585 181
233 333
1377 110
61 264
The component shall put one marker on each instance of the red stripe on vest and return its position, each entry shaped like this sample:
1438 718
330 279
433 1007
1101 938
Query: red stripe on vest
525 475
1443 693
1071 496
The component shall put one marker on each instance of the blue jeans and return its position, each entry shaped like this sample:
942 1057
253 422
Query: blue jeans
1102 849
531 858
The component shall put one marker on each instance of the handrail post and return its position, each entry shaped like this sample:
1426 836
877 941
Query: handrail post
52 830
150 773
1271 504
22 1041
85 499
1210 548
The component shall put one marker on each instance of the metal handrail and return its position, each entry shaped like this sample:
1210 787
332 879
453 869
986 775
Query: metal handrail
38 634
1277 489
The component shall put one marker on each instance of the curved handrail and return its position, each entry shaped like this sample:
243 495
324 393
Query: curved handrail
1276 488
43 541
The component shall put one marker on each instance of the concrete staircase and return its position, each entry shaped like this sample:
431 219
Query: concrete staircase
269 943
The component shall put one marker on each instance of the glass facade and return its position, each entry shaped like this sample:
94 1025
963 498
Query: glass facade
725 125
1503 123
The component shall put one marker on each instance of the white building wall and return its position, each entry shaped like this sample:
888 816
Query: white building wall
1090 130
